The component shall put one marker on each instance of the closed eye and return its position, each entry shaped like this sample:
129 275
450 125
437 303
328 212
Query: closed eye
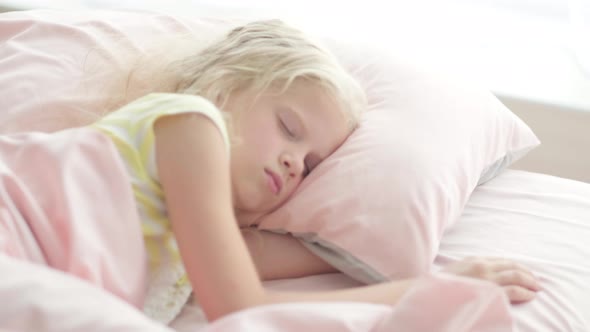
286 129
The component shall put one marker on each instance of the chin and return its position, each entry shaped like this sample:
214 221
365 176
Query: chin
253 203
248 205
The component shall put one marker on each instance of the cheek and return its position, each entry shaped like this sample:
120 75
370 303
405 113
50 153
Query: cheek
262 140
263 146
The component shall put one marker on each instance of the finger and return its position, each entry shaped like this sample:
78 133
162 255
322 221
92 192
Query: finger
517 278
500 264
518 294
505 264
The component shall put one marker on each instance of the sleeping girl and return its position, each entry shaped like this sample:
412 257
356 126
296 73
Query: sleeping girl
247 119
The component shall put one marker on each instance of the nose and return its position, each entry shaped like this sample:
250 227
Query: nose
292 163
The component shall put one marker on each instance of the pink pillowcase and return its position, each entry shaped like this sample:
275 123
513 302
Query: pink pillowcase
48 61
377 208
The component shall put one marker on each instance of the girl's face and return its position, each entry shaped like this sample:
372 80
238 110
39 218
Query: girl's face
280 139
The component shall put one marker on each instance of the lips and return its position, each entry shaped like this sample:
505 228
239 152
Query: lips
274 181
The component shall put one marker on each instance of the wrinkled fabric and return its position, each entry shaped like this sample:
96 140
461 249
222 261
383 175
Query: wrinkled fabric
46 300
441 303
66 206
66 202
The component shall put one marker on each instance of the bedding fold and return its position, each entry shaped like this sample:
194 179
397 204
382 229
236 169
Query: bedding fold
66 203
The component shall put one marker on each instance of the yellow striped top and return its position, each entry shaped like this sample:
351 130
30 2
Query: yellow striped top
131 129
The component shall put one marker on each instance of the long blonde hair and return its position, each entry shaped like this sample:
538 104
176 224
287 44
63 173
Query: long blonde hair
264 54
256 55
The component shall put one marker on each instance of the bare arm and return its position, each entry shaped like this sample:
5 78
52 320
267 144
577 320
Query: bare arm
279 256
194 173
282 256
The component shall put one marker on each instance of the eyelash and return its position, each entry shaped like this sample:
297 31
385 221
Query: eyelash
286 129
307 169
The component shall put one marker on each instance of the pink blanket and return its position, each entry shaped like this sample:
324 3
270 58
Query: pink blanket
65 203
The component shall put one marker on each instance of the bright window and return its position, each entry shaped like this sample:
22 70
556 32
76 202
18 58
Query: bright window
531 49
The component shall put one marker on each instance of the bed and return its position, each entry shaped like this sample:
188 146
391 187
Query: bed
539 220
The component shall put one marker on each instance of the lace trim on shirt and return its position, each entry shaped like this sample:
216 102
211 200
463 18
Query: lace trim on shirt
168 292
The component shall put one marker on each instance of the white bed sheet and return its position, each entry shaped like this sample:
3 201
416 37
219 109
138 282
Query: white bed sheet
542 222
538 220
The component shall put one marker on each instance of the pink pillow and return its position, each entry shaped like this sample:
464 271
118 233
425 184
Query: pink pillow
377 208
49 61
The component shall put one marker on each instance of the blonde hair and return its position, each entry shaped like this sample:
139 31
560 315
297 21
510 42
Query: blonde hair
262 55
258 55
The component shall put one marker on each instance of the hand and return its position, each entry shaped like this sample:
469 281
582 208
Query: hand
517 281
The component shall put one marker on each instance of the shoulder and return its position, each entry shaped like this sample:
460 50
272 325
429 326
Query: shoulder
153 105
142 114
183 114
175 102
